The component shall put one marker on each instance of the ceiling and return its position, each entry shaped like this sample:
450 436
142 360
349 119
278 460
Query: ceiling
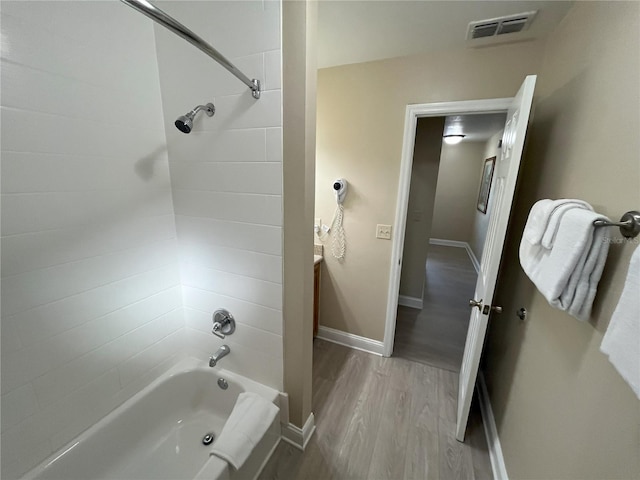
476 128
362 31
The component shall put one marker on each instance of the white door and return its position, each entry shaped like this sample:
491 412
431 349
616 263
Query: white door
505 175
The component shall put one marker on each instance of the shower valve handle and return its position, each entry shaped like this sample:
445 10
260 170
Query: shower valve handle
223 323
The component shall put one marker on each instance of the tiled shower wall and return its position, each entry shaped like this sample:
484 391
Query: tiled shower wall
227 179
91 300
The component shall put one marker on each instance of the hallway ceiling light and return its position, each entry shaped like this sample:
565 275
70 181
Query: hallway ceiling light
453 139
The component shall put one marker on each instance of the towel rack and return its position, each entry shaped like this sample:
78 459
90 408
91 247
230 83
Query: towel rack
629 224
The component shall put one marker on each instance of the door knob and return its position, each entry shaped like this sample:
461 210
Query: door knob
496 309
475 303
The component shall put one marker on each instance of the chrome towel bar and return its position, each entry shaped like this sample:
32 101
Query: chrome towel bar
157 15
629 224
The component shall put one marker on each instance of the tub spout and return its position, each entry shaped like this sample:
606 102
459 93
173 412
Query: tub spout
223 351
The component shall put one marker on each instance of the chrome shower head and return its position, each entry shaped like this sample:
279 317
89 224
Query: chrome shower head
184 123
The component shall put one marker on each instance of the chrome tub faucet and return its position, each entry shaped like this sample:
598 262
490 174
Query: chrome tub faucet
223 351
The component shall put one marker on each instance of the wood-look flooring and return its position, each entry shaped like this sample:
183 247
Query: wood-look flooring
436 334
382 418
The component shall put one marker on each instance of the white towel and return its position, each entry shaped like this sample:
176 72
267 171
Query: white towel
556 218
249 421
567 274
622 340
545 216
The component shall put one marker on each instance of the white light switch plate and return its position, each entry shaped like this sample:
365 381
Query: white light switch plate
383 231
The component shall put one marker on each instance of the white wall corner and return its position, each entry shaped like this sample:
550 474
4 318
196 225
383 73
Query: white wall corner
412 302
350 340
299 437
491 432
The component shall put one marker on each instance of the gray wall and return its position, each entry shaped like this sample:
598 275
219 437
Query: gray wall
422 194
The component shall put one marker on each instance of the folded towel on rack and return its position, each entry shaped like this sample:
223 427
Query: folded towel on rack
621 342
544 219
567 274
249 421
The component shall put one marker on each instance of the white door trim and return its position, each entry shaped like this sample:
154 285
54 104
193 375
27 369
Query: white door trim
413 112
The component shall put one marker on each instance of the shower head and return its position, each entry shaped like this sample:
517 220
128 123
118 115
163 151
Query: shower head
184 123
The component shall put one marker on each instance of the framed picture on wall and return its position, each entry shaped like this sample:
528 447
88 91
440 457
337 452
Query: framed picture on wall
485 184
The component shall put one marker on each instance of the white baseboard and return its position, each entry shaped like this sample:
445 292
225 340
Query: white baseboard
412 302
456 243
351 340
491 432
299 437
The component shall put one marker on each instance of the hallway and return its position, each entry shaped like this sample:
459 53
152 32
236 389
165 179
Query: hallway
436 334
382 418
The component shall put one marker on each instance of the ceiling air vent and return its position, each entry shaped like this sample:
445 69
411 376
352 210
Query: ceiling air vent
500 26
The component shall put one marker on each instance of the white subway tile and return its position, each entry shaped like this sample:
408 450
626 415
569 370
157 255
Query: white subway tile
265 178
34 212
58 382
90 404
31 251
274 144
273 70
216 146
243 111
255 364
10 336
177 57
46 46
31 89
234 28
249 208
17 405
244 335
26 172
245 236
249 289
139 364
247 313
31 289
64 134
233 260
37 324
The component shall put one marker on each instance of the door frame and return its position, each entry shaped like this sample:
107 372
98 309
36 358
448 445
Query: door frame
412 113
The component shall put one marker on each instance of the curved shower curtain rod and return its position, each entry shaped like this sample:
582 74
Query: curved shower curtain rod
157 15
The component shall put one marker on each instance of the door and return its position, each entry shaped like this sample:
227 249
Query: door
506 174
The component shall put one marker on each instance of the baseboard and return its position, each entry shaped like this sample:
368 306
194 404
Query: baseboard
473 258
412 302
447 243
491 432
351 340
299 437
458 244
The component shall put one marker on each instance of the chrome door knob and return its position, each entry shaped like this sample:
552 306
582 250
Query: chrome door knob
496 309
475 303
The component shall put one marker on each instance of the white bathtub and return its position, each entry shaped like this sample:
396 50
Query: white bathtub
157 434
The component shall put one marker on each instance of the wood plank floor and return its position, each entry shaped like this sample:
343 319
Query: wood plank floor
382 418
436 334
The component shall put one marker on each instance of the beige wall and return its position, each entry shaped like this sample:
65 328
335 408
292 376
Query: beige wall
562 410
360 126
299 23
481 220
457 192
422 194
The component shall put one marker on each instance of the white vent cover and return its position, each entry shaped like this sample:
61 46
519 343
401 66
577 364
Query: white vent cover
500 26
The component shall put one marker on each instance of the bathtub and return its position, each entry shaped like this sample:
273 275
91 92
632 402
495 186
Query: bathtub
158 433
